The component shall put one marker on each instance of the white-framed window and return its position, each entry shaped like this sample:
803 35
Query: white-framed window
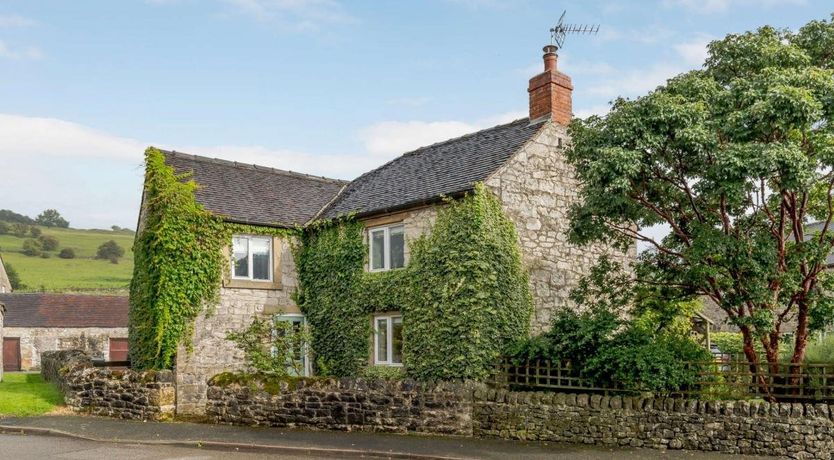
252 258
387 247
300 365
388 340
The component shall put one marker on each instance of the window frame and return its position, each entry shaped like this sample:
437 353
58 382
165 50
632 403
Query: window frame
386 247
308 368
250 259
389 321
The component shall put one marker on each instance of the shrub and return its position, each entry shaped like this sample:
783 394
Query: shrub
45 255
5 228
821 349
19 230
35 232
48 242
67 253
382 373
14 277
110 251
273 347
32 248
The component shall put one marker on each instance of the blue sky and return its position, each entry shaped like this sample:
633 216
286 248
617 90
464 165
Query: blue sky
327 87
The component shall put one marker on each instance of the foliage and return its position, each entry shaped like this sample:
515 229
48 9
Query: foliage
734 159
617 336
67 253
821 349
35 232
48 242
5 228
51 218
382 373
14 277
463 295
273 347
24 395
471 296
110 250
20 230
13 217
178 265
32 248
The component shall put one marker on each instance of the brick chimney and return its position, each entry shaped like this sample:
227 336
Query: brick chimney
550 91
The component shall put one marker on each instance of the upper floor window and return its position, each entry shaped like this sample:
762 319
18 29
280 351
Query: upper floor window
252 258
387 246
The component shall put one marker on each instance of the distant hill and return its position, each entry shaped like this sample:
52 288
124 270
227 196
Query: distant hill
83 273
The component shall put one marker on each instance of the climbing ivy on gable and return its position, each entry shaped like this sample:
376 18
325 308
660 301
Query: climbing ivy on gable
464 295
179 264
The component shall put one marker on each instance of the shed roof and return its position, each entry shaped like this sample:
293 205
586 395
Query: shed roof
65 310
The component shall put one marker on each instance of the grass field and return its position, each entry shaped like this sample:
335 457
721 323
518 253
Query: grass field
83 273
27 394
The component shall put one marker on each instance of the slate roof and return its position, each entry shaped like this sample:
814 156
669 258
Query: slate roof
252 194
423 175
64 310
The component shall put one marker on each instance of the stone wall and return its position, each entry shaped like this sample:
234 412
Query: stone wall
5 284
34 341
2 318
537 188
211 353
346 404
120 393
736 427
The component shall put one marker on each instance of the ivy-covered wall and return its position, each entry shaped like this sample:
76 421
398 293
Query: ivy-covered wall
464 295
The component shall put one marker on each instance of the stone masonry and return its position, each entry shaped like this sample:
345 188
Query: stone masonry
537 188
34 341
212 353
120 393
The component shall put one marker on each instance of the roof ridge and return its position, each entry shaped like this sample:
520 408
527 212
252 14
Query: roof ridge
409 153
237 164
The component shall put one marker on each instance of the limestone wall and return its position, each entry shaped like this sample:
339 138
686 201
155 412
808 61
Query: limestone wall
735 427
120 393
5 284
34 341
346 404
537 188
211 353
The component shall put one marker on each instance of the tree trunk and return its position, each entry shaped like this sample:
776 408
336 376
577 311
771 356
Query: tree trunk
753 359
799 345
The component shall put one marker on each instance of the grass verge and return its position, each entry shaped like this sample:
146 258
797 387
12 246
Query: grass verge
24 394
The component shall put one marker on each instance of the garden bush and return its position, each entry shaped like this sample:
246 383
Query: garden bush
48 242
32 248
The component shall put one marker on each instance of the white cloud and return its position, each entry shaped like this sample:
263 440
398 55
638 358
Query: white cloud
388 138
27 53
634 82
15 20
694 52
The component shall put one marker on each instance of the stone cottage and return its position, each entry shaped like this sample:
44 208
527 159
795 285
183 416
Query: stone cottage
35 323
521 162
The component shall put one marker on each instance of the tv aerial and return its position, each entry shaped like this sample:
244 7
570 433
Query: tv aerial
561 30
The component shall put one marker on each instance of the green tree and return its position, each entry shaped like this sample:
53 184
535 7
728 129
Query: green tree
67 253
32 248
14 277
35 232
51 218
110 251
48 242
734 160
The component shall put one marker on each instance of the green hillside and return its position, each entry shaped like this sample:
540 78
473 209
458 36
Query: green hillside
84 273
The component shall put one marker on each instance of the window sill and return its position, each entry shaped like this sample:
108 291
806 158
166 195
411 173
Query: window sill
248 284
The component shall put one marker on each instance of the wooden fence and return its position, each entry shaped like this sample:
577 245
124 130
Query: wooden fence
727 377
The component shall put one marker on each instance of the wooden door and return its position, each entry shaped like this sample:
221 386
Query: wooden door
118 349
11 354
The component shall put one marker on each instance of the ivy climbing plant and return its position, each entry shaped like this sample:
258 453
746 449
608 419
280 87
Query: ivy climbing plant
464 295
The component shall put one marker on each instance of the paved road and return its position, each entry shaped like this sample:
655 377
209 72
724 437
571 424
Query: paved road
36 447
19 447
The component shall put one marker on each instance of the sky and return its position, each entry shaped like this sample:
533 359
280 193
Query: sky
327 87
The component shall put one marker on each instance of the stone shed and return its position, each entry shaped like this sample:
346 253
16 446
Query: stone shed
35 323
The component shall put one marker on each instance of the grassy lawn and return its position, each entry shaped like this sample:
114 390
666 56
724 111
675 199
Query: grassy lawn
79 274
23 394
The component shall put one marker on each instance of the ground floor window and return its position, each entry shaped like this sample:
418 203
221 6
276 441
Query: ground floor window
388 339
299 364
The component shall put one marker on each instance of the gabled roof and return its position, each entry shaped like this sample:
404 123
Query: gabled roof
64 310
252 194
422 176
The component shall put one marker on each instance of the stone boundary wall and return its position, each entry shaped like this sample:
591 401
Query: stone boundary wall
737 427
345 404
120 393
